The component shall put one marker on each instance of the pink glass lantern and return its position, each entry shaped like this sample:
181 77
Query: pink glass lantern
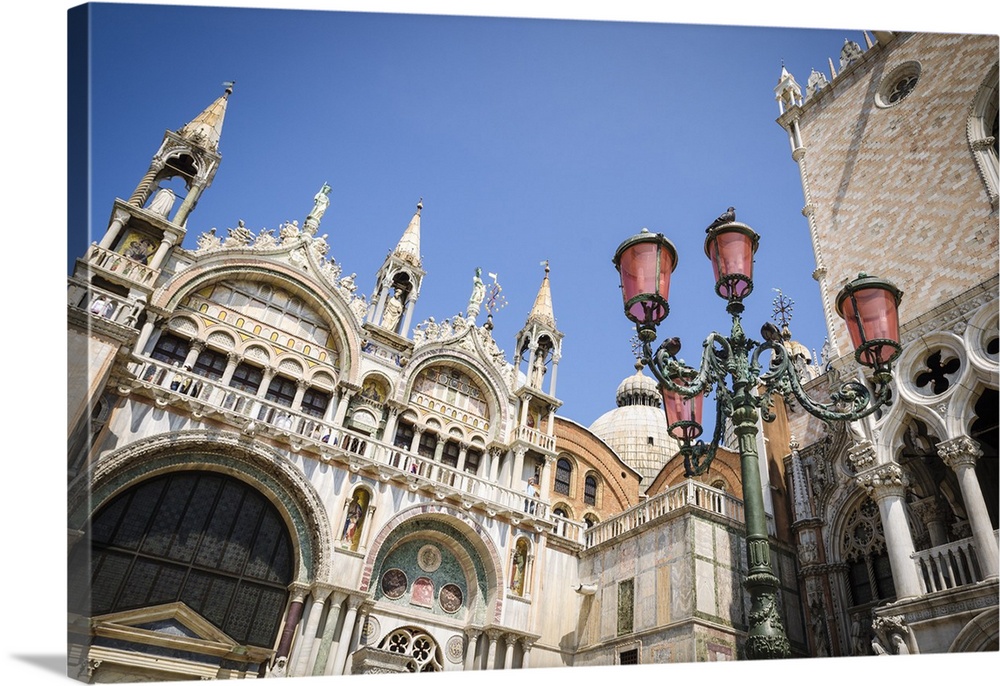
731 248
683 414
645 262
869 306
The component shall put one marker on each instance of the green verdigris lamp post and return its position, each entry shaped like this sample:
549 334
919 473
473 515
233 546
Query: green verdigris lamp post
868 305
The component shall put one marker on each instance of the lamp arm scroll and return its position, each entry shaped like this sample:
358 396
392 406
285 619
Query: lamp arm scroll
850 400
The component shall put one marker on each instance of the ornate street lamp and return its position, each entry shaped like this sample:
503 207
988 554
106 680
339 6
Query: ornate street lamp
868 305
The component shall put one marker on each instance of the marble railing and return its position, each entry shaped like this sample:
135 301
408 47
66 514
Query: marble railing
689 493
947 566
105 260
537 438
567 528
305 432
102 303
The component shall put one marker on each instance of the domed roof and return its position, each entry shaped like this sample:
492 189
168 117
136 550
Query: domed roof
637 428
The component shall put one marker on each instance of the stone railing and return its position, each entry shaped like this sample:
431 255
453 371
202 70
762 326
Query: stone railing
536 438
102 303
689 493
304 432
567 529
102 259
947 566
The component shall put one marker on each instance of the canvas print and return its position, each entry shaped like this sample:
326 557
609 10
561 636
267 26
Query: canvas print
422 343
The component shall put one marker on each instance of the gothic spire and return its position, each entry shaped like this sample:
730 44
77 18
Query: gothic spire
541 311
206 129
408 249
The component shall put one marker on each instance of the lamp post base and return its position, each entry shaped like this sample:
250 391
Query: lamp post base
766 638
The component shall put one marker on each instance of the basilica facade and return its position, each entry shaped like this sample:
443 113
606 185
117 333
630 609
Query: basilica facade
274 474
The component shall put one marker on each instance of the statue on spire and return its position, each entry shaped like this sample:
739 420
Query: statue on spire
478 293
320 202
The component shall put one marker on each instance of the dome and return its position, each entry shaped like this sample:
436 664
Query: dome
637 428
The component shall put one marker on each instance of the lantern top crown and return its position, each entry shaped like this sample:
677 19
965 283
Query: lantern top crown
645 236
863 281
728 227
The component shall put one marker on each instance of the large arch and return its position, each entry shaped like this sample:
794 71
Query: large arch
981 634
465 526
222 451
219 267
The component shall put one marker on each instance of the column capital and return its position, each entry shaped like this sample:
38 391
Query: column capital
510 639
929 509
527 642
121 216
473 632
884 481
233 356
493 634
299 591
321 591
959 452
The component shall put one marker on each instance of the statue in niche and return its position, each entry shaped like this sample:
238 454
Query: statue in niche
163 202
278 669
478 293
320 202
393 311
537 369
355 519
518 564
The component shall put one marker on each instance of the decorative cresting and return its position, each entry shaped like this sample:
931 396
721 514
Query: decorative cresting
223 451
477 536
867 304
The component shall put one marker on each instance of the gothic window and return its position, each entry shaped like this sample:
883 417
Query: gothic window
247 378
171 349
210 364
564 472
864 551
315 402
938 373
626 606
898 84
590 490
206 539
416 644
281 390
454 388
982 133
590 520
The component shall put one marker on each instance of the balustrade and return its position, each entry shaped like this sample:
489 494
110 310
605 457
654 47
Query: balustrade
536 438
687 494
115 263
102 303
947 566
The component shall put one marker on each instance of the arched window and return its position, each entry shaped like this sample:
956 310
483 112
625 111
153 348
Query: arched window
982 128
171 349
281 390
315 402
590 520
210 364
590 490
247 378
206 539
564 471
863 541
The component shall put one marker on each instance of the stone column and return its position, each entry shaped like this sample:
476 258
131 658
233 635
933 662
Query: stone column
960 454
233 362
418 432
526 647
118 220
493 635
463 450
515 473
300 390
470 650
389 431
344 642
292 617
543 475
552 381
310 646
525 402
189 202
508 654
193 353
169 240
345 399
265 381
886 485
141 192
144 334
323 663
411 298
495 455
932 513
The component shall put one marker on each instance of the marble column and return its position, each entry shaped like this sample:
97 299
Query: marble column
169 241
345 399
323 663
189 202
470 650
526 645
193 352
292 617
344 643
508 653
144 334
310 646
886 485
960 454
300 390
265 381
515 474
493 635
233 361
118 220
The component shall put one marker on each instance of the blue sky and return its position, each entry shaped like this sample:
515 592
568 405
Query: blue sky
527 140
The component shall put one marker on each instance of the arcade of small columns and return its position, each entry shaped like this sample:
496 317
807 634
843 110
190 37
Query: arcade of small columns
886 484
311 644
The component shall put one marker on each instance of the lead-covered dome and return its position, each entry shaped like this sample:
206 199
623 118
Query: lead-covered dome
637 428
